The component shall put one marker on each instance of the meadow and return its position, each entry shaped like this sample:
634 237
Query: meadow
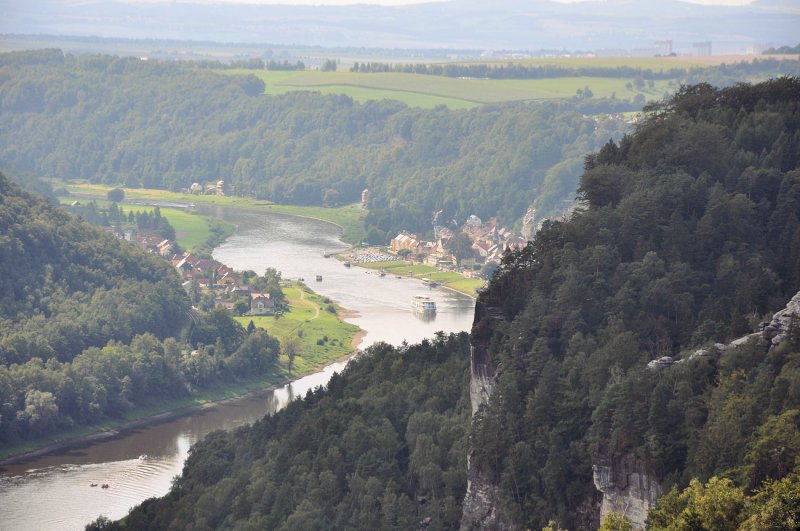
427 91
448 279
348 217
323 336
191 230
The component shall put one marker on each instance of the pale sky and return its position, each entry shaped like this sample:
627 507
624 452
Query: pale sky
391 2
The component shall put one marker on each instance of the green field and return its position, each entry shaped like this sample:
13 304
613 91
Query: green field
428 91
191 230
449 279
309 320
348 217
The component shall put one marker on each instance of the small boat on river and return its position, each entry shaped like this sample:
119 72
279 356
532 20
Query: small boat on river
319 278
430 283
347 264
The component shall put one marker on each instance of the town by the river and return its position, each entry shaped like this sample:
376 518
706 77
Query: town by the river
53 492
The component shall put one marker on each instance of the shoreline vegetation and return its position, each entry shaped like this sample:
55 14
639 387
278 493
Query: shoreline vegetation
447 279
348 338
193 232
166 411
324 338
348 217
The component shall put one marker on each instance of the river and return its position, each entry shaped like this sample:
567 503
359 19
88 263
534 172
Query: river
54 492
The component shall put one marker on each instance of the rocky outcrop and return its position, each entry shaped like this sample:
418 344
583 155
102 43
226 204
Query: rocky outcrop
783 323
627 488
481 508
624 483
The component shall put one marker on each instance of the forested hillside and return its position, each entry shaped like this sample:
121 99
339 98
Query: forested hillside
91 326
166 125
383 447
690 235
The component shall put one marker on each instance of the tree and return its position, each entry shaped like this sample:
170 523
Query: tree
241 307
116 195
615 522
717 505
41 411
291 347
461 246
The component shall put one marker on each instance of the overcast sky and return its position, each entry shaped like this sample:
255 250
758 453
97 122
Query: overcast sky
388 2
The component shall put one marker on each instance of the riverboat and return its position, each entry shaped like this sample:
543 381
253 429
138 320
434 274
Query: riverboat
319 278
347 264
422 304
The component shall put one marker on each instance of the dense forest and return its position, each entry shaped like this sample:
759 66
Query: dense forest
689 236
383 447
166 125
92 326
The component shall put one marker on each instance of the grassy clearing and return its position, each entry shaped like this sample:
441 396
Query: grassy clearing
349 217
467 285
416 89
384 265
324 337
191 230
280 82
449 279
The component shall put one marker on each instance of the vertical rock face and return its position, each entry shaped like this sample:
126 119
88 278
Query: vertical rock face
626 488
481 506
783 322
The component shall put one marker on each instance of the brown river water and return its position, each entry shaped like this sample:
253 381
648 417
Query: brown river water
54 492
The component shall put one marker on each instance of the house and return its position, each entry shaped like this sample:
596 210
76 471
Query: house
439 256
228 305
227 279
516 243
241 291
404 241
165 247
261 303
205 265
223 270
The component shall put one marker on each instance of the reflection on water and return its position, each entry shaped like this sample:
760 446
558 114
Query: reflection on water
54 492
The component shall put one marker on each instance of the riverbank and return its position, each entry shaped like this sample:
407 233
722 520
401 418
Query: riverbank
208 398
401 268
193 232
325 339
349 217
317 324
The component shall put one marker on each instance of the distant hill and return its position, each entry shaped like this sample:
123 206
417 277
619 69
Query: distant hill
162 124
505 24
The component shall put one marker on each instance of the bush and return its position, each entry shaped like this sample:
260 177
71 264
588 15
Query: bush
116 195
